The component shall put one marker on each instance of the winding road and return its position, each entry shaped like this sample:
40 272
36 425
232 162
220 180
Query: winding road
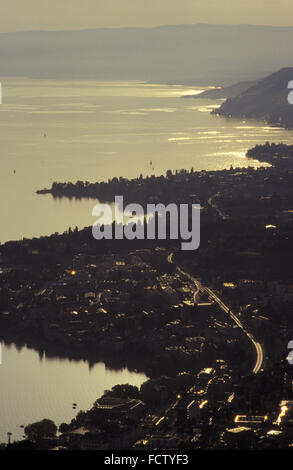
226 309
216 208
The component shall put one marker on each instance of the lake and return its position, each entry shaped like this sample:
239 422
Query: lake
86 130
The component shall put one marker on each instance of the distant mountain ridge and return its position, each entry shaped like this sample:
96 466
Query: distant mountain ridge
267 100
199 54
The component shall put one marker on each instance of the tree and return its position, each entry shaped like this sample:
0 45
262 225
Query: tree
40 430
123 391
20 445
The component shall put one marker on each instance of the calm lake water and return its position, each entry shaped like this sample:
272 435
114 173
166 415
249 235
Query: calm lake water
69 130
34 387
86 130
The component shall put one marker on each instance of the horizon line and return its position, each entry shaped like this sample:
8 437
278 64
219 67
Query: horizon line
145 27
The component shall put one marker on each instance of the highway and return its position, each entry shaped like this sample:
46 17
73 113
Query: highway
216 208
199 288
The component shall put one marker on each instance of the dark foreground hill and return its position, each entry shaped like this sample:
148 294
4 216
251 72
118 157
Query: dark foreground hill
267 100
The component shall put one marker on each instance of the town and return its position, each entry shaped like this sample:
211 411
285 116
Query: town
209 328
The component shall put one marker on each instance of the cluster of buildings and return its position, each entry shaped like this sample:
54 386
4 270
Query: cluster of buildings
116 303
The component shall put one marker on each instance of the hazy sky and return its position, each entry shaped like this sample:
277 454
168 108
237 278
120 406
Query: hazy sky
19 15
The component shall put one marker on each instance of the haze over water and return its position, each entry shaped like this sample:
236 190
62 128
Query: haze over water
92 130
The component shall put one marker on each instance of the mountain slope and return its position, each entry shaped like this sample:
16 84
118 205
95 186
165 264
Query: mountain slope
203 54
267 100
224 92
